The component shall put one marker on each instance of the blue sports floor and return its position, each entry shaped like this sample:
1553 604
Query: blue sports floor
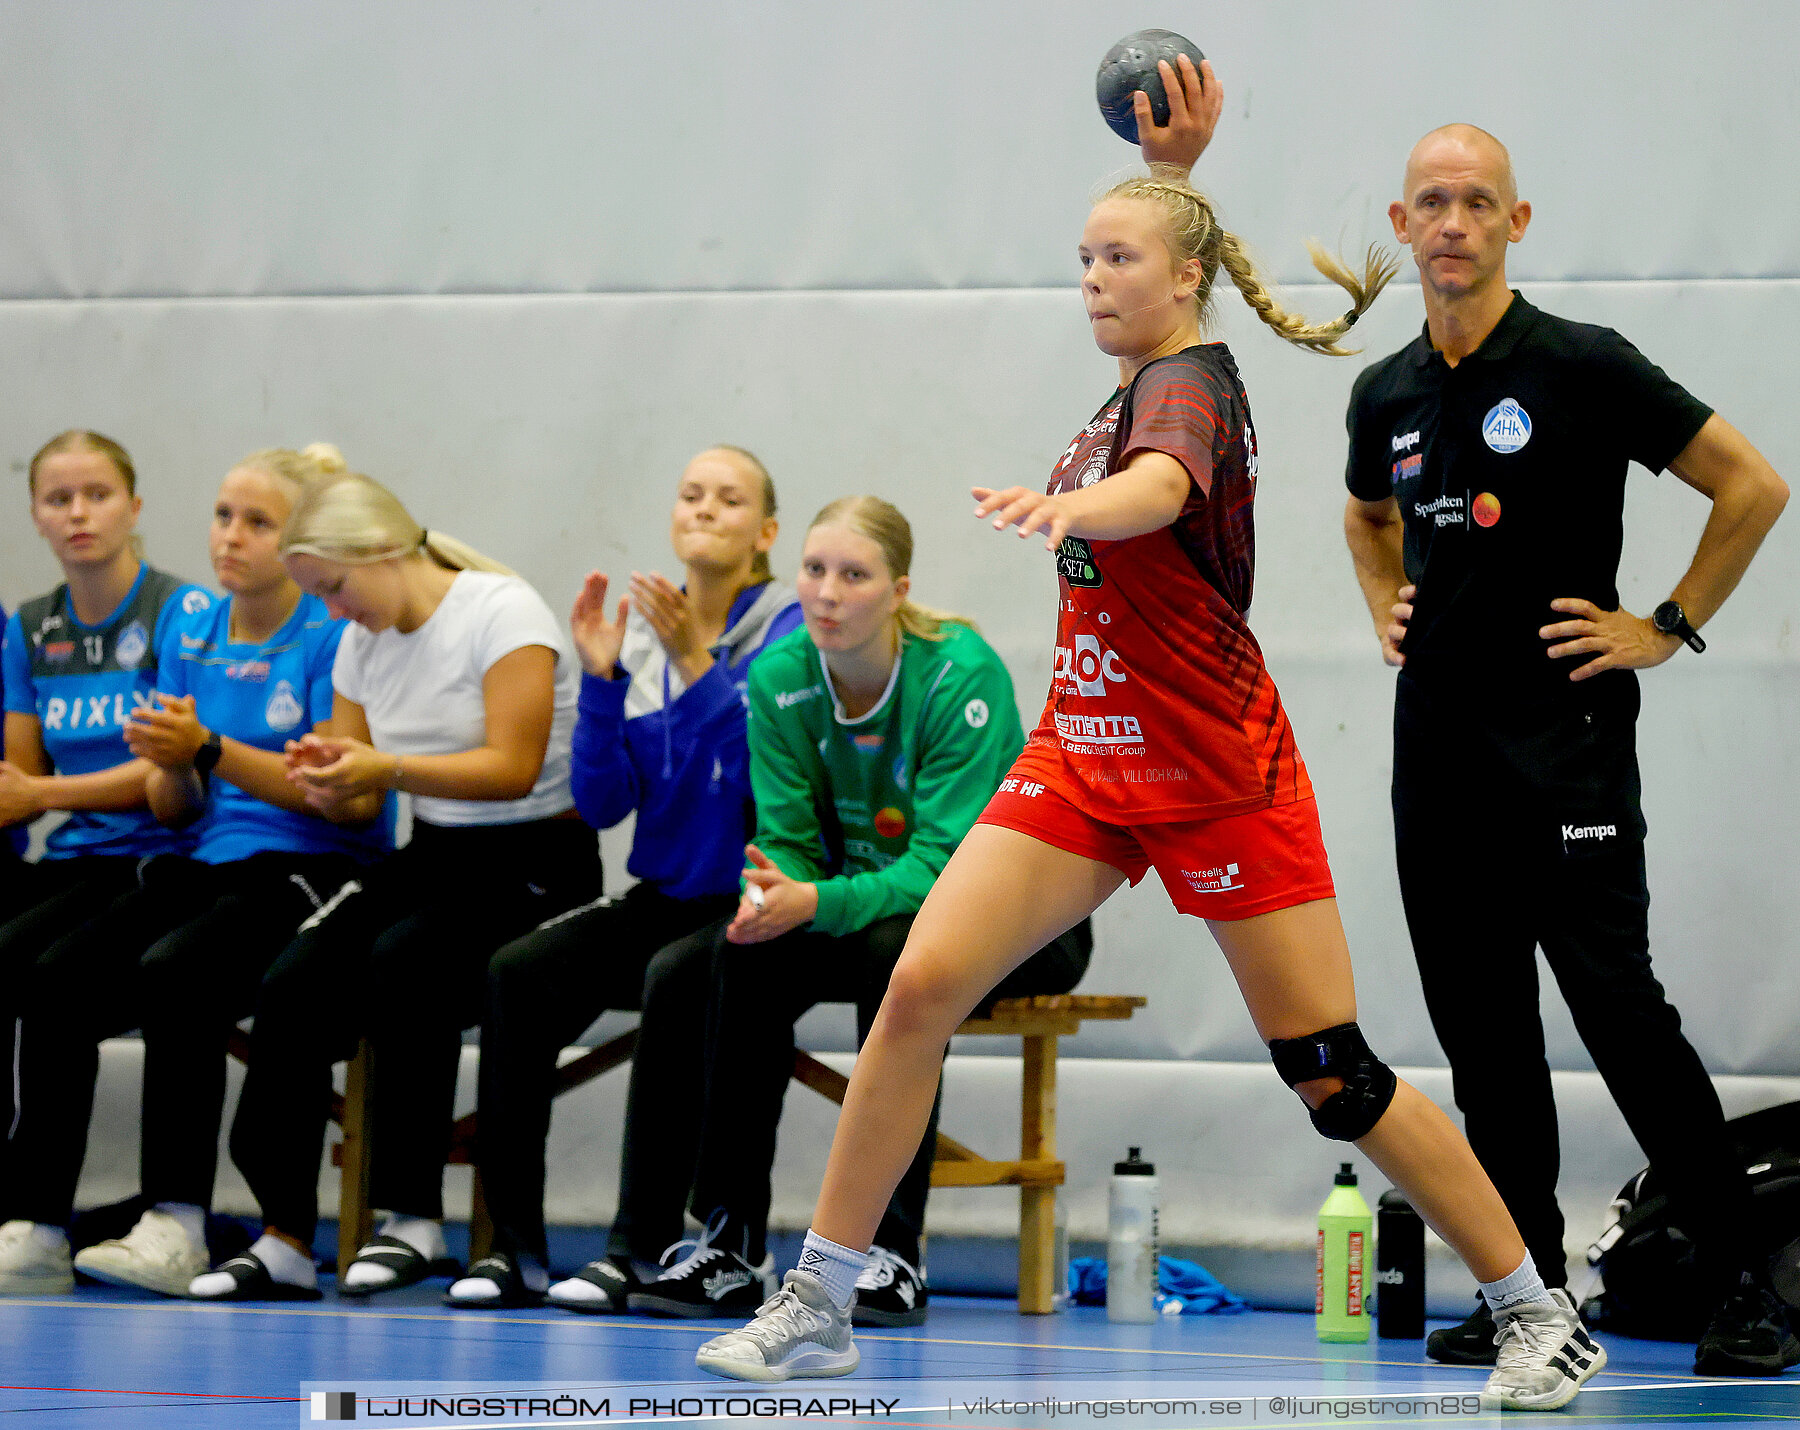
106 1357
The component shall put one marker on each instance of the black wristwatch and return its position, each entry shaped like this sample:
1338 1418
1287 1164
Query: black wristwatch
208 754
1671 620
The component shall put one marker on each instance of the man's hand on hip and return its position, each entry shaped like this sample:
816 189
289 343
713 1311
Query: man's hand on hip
1617 639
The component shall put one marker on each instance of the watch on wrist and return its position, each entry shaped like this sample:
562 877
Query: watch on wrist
208 754
1671 620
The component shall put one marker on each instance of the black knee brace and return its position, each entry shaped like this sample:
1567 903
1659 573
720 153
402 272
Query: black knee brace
1341 1053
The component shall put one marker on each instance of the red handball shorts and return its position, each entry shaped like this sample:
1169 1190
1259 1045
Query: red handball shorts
1231 868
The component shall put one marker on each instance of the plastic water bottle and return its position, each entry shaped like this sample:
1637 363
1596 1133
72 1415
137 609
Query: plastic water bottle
1399 1269
1340 1304
1131 1241
1059 1298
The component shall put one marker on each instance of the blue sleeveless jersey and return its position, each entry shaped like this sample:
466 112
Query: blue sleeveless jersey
12 839
82 682
263 695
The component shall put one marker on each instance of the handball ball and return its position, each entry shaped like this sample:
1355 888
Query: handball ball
1130 66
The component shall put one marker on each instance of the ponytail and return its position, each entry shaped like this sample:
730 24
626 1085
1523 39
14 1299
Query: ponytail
1194 232
349 518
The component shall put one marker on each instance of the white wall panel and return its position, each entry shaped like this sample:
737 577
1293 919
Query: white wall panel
550 429
520 261
1239 1164
160 147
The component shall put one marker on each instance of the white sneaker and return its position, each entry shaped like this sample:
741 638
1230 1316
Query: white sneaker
156 1254
797 1332
32 1264
1545 1354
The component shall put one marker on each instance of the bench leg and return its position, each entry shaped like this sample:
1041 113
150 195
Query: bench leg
1037 1205
356 1223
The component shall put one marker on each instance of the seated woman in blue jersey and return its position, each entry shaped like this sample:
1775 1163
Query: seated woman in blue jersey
14 838
661 734
455 685
78 661
181 955
877 737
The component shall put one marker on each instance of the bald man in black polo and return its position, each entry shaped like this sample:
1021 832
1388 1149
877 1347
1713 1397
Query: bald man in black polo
1487 481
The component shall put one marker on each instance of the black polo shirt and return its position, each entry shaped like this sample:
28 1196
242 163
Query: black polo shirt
1510 474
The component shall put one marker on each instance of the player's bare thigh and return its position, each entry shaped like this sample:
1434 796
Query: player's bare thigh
1001 898
1292 966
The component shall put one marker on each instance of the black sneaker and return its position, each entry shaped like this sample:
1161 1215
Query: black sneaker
890 1292
708 1281
1749 1335
1470 1343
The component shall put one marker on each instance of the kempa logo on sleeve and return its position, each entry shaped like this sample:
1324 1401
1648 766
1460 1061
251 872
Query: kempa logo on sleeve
1406 440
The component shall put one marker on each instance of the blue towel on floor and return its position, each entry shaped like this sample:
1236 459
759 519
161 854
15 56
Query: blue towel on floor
1183 1288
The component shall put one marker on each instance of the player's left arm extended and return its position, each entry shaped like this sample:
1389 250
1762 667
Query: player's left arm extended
1747 496
1145 496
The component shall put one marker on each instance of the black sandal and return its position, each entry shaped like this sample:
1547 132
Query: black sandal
615 1281
404 1260
251 1282
504 1272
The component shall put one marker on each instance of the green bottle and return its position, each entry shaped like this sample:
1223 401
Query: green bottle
1341 1275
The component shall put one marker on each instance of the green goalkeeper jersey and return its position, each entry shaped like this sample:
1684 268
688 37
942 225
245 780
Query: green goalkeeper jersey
870 809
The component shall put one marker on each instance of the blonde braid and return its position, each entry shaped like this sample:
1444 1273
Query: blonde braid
1195 232
1378 268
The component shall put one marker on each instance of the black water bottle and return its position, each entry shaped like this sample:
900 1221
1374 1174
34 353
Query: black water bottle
1399 1269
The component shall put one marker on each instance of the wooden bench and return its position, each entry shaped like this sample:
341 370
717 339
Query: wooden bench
1036 1172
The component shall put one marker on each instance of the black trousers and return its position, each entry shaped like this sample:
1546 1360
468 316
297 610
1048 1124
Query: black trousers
759 993
44 902
1510 840
178 955
542 991
399 955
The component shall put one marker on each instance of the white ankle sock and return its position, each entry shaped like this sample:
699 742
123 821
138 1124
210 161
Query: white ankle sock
284 1263
1524 1285
191 1217
482 1288
836 1266
51 1238
420 1233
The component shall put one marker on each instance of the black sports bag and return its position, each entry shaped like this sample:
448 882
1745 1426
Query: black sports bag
1652 1281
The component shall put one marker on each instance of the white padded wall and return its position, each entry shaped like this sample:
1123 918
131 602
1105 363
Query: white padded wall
521 261
550 430
161 147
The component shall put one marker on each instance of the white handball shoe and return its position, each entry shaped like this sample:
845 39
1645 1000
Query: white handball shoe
1545 1355
34 1260
156 1254
798 1331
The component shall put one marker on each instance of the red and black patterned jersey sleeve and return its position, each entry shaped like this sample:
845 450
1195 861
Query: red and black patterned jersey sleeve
1174 409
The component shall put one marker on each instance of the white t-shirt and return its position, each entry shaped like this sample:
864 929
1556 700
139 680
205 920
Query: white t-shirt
421 690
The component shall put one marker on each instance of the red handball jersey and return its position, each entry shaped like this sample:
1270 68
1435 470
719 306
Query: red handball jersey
1160 704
